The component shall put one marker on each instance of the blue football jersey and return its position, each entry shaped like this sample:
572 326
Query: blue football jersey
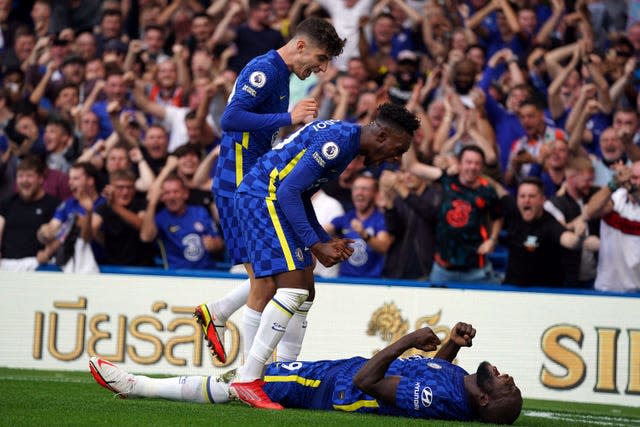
429 388
256 110
364 261
182 236
295 168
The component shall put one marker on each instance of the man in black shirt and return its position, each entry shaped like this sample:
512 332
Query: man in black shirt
410 212
535 238
117 223
568 208
21 214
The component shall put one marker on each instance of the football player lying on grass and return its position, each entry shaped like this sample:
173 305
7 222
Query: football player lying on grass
386 384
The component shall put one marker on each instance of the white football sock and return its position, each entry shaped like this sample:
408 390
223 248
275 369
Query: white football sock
250 324
195 389
291 342
231 302
275 317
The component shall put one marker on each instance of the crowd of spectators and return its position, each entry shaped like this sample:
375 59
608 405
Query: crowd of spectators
529 139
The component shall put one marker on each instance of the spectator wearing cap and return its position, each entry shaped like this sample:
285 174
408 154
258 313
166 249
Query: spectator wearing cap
114 50
60 49
405 77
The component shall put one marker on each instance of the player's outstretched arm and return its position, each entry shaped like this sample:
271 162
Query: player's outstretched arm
371 377
461 336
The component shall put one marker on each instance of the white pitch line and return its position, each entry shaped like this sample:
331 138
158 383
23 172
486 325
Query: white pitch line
603 420
45 379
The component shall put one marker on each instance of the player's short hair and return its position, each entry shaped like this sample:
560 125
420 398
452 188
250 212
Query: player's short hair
397 117
475 149
533 180
122 175
32 162
322 34
504 410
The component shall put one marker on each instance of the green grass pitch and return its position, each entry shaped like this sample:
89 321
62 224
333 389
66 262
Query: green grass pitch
47 398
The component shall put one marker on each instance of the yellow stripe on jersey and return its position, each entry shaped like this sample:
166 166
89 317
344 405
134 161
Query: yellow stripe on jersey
280 175
239 163
356 405
205 393
292 378
291 165
288 256
245 140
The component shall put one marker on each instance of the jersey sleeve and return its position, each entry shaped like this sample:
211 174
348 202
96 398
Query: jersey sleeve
256 83
321 156
61 212
313 220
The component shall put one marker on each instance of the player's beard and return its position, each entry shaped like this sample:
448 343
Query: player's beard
484 376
